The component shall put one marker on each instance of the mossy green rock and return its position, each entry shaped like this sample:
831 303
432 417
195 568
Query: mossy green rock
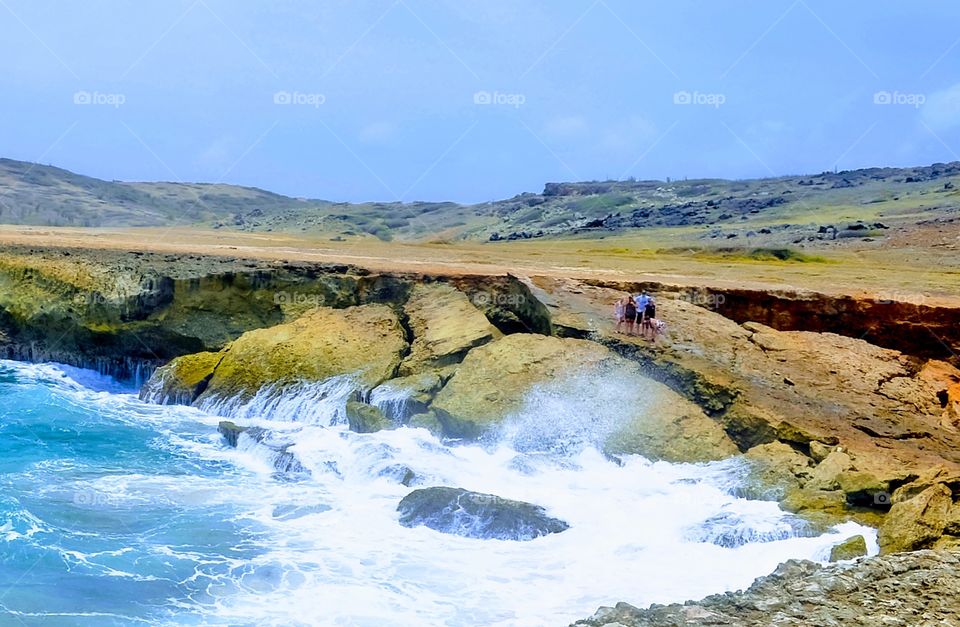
182 380
366 342
445 326
849 549
364 418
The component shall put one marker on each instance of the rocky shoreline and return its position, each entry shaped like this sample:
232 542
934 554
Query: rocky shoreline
830 425
905 589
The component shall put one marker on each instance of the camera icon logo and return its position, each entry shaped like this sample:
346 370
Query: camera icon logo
682 98
482 98
882 98
882 499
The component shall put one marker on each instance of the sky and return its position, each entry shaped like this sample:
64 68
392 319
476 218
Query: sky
475 100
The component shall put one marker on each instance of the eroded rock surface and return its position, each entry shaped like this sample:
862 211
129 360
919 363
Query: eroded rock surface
445 326
906 589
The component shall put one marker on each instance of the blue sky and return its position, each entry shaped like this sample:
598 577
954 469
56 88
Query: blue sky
473 100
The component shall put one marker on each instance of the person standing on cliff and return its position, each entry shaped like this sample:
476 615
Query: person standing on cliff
619 312
648 316
630 315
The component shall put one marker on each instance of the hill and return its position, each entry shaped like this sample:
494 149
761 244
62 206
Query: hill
778 211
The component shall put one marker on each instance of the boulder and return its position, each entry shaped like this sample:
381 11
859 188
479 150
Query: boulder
364 418
916 523
864 488
182 380
775 469
493 380
591 394
819 451
474 515
849 549
401 398
824 475
427 420
363 342
445 326
671 428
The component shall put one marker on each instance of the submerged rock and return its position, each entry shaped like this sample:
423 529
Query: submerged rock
403 397
731 530
475 515
403 475
292 511
282 459
364 418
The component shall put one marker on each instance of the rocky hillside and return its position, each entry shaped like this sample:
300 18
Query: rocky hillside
823 208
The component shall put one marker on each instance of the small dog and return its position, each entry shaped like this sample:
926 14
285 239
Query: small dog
659 326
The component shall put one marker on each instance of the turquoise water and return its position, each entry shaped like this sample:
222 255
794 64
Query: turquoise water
119 512
79 546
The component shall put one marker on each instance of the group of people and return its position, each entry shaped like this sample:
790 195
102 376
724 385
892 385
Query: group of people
638 314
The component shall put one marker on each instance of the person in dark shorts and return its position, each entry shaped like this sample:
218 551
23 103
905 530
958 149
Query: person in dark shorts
630 316
648 315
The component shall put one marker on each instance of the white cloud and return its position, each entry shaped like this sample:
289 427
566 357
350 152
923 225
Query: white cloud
942 109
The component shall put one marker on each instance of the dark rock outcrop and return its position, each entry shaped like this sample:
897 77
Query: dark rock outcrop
475 515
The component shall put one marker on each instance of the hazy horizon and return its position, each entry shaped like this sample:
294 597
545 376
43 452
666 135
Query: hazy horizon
471 101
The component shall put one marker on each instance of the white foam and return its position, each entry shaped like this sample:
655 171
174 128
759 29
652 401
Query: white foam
343 558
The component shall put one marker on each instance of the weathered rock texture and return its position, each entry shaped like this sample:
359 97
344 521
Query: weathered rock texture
445 326
908 589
